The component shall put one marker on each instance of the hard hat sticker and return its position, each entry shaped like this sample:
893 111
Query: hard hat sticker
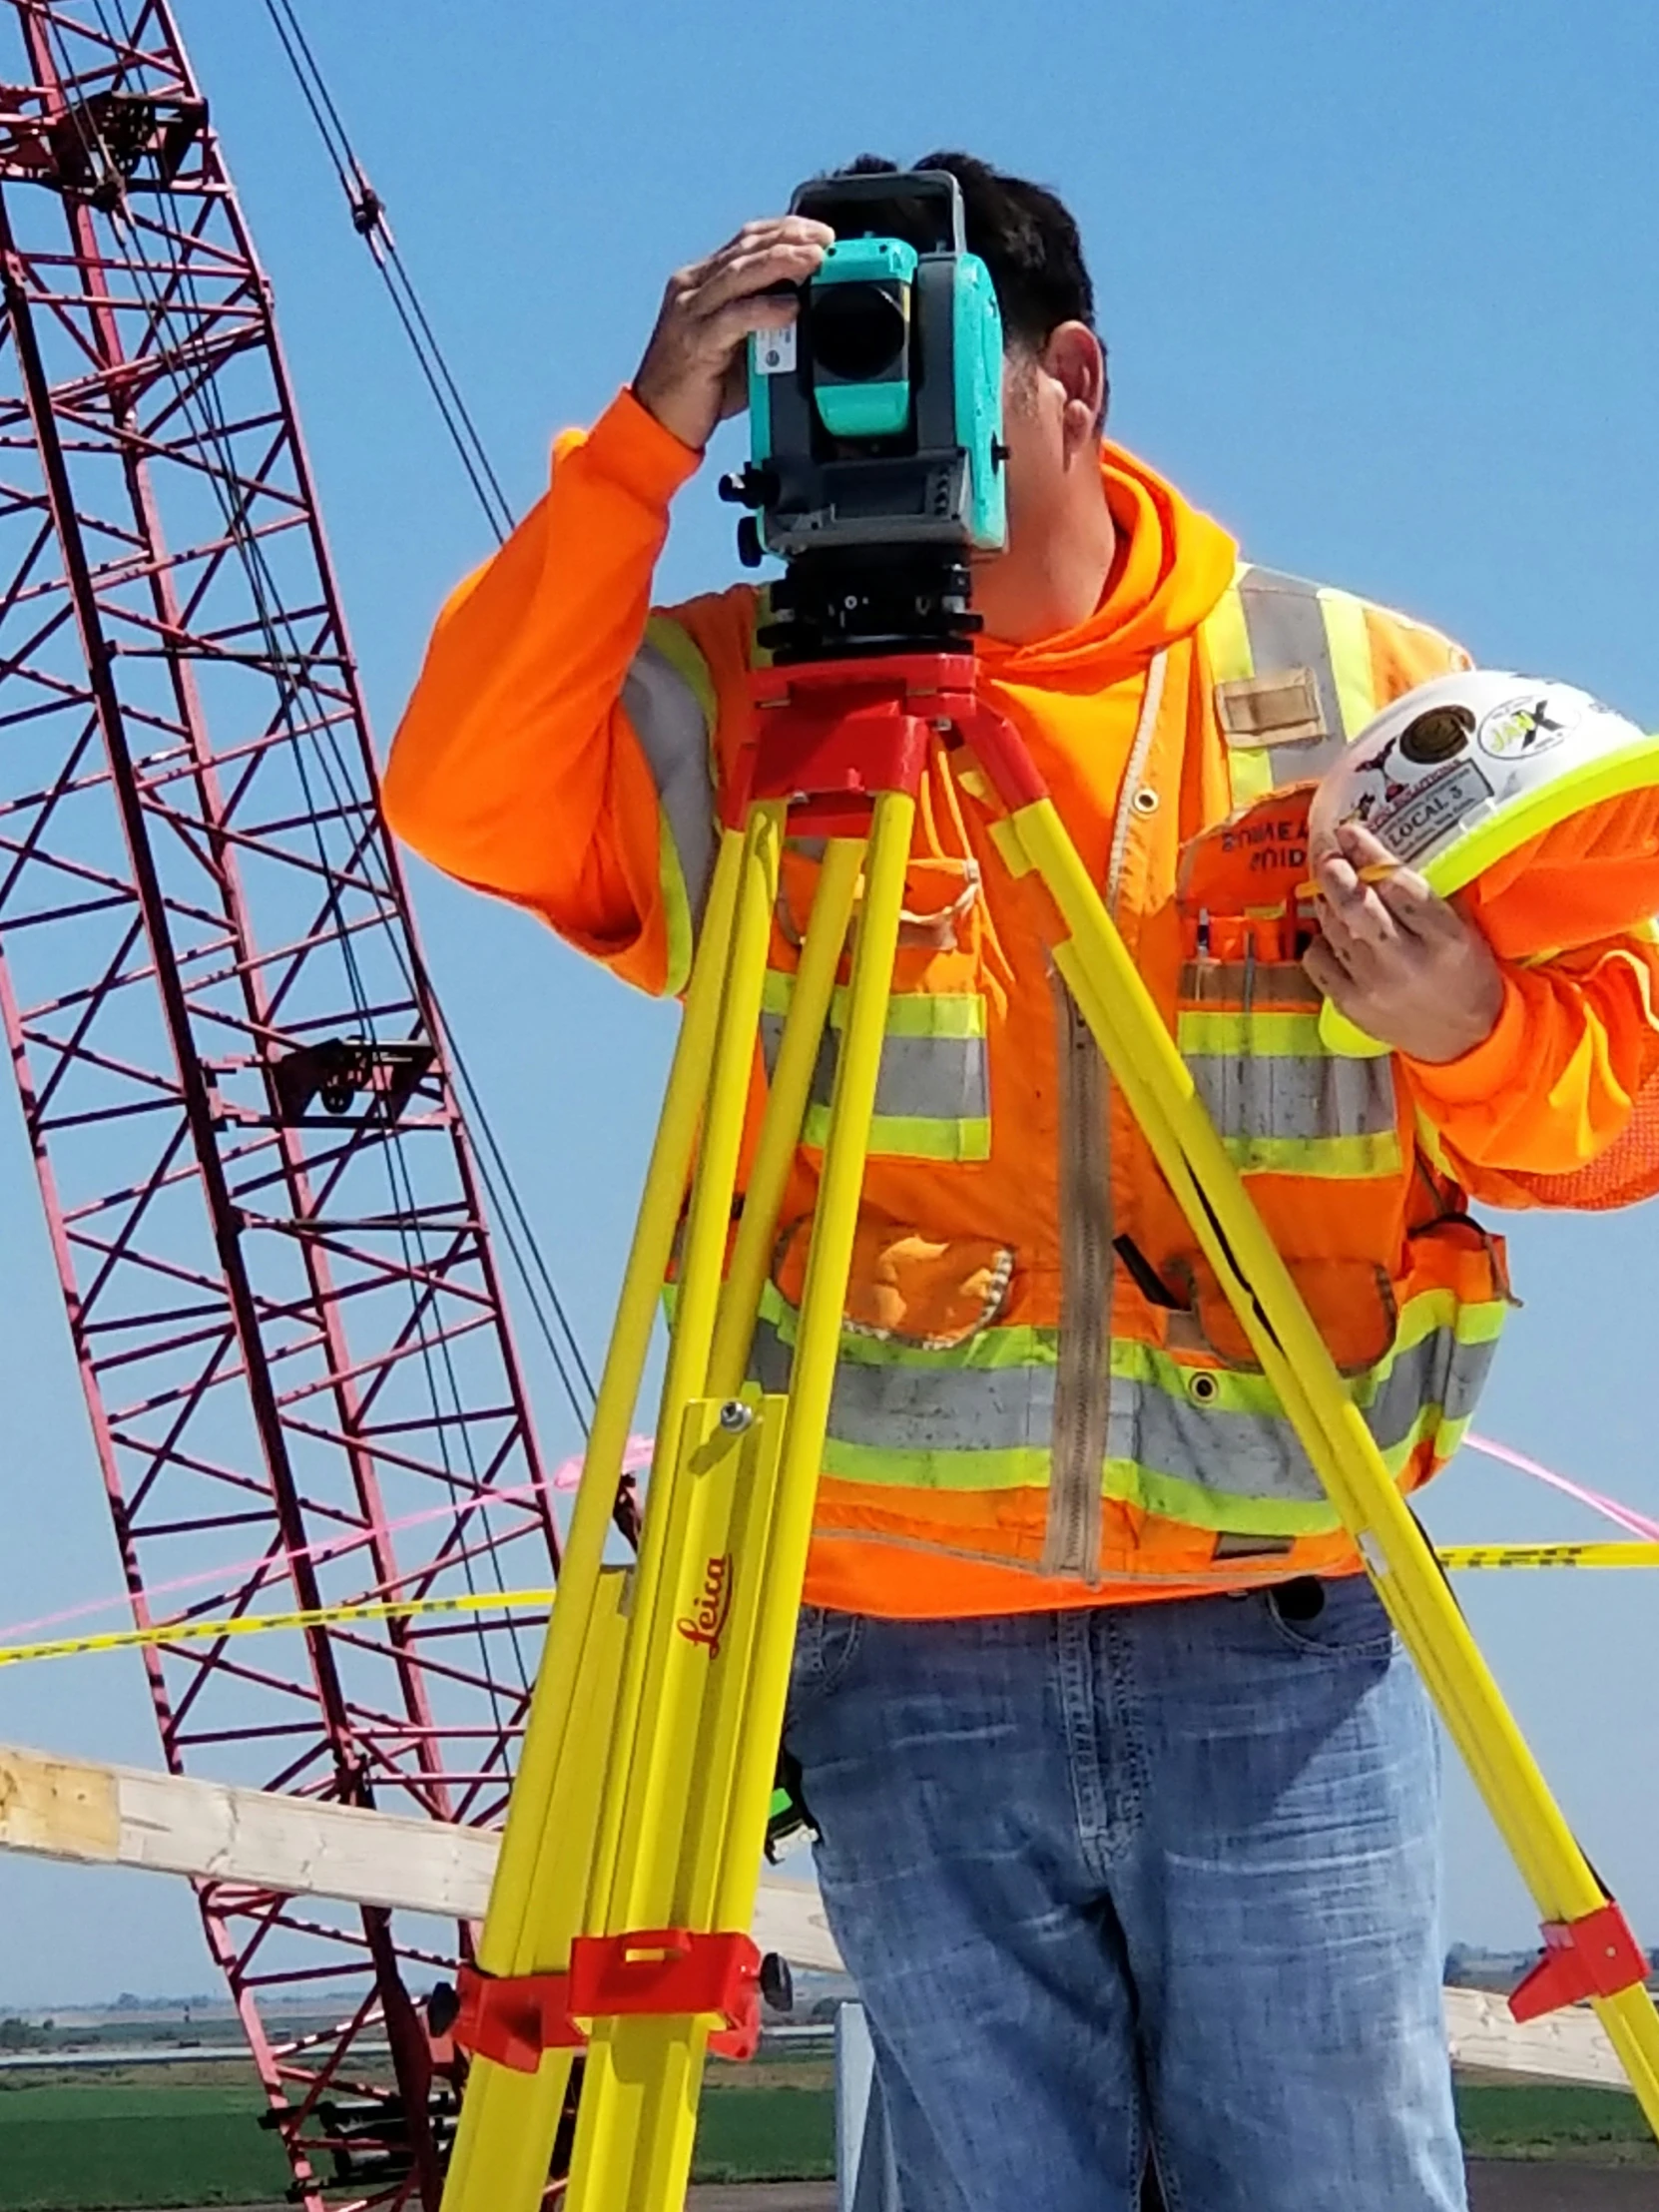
1437 735
1414 818
1526 727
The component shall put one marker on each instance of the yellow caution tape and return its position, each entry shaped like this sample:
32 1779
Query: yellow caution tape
1458 1558
255 1624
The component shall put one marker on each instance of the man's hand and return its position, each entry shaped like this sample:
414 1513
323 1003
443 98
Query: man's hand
691 375
1393 958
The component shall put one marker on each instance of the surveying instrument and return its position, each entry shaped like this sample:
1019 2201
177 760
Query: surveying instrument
617 1930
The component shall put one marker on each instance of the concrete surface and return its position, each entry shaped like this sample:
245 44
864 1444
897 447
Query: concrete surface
1496 2185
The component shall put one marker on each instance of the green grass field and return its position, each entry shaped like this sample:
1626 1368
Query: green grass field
129 2146
100 2146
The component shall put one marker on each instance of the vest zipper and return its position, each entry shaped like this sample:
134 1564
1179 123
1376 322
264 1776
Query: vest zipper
1083 1374
1082 1381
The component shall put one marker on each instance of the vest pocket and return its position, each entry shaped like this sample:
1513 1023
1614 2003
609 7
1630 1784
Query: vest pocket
933 1390
1210 1444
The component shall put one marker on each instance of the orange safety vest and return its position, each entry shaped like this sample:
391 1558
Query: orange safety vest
1043 1397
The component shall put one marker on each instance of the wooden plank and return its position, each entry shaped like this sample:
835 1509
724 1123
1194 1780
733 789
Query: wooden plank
176 1825
1563 2046
125 1815
170 1824
57 1805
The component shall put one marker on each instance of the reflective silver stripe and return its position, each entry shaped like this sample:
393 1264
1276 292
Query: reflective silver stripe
1260 1456
893 1407
1286 626
919 1078
673 729
1262 1096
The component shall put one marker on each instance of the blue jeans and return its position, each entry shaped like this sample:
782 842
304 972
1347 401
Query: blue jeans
1142 1880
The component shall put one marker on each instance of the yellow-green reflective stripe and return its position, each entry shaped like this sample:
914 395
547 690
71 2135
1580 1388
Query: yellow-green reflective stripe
676 911
1294 1033
1197 1507
1250 774
1017 1468
1479 1321
1226 639
1227 642
910 1013
1337 1157
1351 663
908 1137
688 664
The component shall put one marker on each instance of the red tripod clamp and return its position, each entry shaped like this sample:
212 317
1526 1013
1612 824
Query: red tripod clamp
514 2018
829 737
1596 1956
671 1969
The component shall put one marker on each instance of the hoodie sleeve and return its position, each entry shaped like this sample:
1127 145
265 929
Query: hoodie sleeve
1569 1077
1565 1078
557 748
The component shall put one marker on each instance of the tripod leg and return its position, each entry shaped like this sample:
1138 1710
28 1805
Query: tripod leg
703 1265
1159 1087
818 1348
690 1833
792 1083
505 2114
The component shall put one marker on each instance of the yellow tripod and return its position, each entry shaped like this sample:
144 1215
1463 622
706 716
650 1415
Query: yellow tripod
630 1863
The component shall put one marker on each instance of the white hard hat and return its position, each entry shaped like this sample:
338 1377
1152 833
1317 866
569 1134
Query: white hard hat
1458 774
1530 795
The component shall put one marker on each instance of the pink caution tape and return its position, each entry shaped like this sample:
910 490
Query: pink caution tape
1623 1516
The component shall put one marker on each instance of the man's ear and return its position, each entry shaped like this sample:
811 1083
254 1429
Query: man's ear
1076 360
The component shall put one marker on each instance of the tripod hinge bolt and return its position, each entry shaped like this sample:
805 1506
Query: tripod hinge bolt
735 1416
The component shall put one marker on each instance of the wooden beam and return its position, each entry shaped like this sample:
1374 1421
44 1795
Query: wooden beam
211 1831
124 1816
127 1816
1563 2046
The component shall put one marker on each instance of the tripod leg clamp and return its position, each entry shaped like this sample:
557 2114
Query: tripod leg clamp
1596 1956
514 2018
671 1970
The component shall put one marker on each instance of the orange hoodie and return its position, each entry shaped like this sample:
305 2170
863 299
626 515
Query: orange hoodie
564 750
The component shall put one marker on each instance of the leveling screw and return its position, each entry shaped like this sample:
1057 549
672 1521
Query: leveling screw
735 1416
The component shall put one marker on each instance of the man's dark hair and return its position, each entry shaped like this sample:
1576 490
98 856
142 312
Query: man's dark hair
1027 237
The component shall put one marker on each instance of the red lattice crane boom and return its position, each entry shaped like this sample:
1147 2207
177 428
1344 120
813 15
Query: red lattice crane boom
261 1202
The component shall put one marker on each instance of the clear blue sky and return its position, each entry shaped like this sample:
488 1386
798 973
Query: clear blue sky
1380 286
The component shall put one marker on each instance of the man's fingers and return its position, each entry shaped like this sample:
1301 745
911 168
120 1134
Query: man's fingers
1328 974
1363 847
1419 910
1356 916
779 263
725 331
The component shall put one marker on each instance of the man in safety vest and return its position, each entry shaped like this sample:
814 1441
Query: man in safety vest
1127 1795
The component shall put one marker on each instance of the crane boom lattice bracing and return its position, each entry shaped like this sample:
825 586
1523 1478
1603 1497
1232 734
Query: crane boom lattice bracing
262 1203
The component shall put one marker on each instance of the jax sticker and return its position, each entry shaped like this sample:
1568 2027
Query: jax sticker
1522 727
1421 817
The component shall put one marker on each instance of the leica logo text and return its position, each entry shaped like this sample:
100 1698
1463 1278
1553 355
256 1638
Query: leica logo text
706 1622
